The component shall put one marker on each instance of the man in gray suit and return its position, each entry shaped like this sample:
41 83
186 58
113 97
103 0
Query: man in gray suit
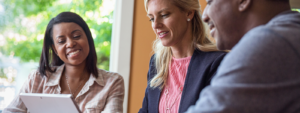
262 72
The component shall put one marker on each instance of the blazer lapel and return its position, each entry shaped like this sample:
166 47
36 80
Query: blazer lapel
154 100
157 98
192 80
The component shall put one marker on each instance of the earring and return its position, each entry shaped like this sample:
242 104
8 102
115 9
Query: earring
188 19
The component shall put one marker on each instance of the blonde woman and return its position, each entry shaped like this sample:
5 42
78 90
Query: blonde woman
185 59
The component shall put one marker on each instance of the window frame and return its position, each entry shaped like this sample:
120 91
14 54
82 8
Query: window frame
120 52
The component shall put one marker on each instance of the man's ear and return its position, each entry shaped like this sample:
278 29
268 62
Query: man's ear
53 47
190 14
244 5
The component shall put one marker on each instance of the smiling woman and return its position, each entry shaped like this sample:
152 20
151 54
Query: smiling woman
68 66
185 59
22 27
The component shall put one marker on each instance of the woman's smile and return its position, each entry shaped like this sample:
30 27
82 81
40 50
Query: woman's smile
73 53
162 34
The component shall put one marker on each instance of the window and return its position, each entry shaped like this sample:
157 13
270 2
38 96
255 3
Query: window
296 10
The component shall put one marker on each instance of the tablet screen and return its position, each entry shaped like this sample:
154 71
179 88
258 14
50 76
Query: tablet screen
49 103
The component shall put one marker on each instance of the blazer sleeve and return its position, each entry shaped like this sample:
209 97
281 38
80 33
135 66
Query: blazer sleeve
144 108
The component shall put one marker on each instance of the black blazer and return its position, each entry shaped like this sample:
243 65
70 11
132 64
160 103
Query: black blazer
202 68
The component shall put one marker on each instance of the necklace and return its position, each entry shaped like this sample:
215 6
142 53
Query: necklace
70 88
168 108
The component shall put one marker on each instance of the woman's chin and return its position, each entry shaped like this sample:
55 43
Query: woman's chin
166 44
75 63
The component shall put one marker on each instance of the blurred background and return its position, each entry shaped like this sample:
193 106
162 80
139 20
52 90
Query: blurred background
22 27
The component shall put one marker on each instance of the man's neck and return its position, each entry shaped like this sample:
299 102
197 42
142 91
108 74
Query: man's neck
262 11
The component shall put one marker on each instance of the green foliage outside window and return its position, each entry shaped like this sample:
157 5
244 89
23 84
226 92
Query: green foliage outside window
296 10
23 23
2 75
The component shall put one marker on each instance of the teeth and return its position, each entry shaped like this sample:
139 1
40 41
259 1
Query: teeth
162 33
72 53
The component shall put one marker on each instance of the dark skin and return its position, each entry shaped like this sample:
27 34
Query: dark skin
230 20
71 45
260 12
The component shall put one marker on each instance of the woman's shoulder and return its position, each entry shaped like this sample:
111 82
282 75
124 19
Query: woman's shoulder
108 75
35 76
210 54
152 60
208 58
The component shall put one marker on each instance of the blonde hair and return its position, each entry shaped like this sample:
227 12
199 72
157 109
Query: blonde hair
163 54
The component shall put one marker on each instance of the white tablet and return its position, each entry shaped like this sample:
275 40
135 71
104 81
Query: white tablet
49 103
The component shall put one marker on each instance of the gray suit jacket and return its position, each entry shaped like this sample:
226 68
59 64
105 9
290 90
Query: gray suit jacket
261 74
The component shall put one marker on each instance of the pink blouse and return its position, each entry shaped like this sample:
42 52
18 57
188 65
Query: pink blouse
171 93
